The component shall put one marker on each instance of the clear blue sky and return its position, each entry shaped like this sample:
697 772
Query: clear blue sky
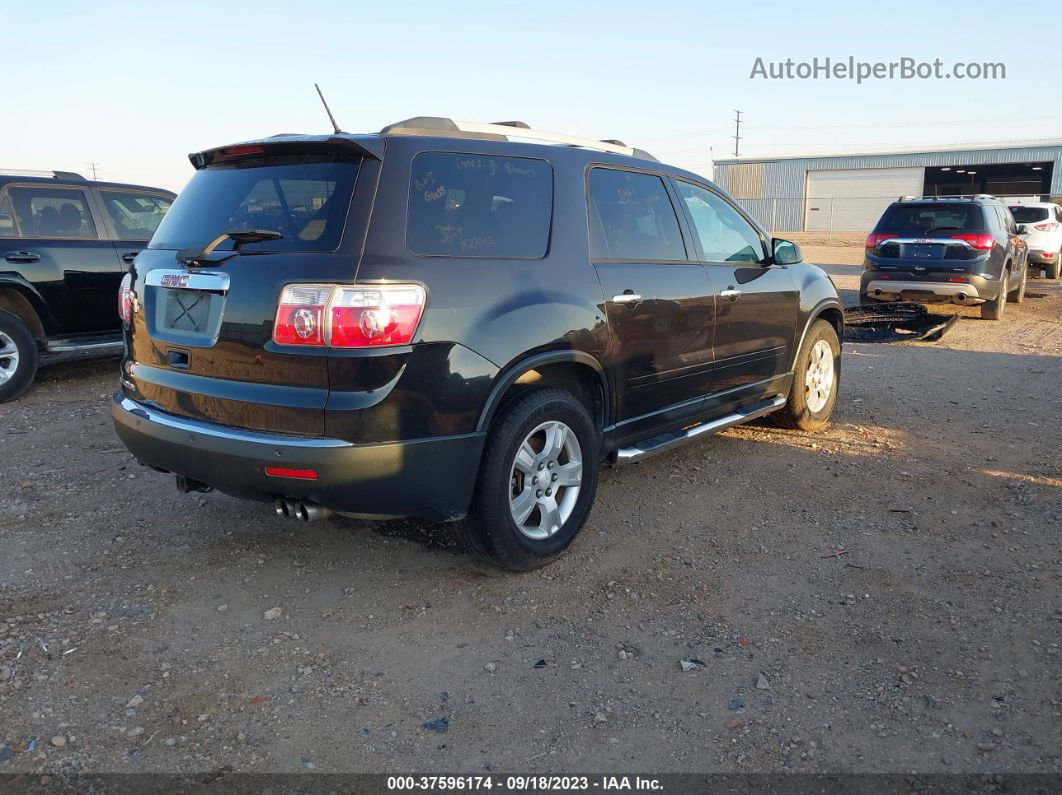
137 86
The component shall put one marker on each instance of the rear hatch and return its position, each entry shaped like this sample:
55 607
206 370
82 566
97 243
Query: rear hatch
201 341
921 238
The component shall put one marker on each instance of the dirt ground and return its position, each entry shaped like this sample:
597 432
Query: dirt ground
135 631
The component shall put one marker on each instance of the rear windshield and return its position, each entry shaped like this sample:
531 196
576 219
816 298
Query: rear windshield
1028 215
921 219
304 199
464 205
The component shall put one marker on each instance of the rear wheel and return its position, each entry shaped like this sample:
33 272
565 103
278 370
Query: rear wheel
537 481
815 381
1017 295
993 310
18 357
1053 269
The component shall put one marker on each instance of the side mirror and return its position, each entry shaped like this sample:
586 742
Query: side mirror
785 252
1022 229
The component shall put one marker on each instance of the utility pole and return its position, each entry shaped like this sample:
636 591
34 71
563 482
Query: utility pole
93 167
737 133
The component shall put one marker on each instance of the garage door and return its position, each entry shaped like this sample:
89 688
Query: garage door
852 200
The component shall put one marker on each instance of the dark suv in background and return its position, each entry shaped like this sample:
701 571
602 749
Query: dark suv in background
960 250
442 322
65 243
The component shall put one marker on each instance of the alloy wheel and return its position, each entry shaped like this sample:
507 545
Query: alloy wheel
545 480
8 358
819 377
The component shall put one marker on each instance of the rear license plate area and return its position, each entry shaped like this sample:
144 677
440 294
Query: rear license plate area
186 317
922 250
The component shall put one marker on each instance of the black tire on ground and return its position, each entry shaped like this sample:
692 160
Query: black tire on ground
993 310
489 530
1053 270
797 414
14 334
1017 295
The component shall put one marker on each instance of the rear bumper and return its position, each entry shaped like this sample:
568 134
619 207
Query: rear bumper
976 291
1043 257
430 478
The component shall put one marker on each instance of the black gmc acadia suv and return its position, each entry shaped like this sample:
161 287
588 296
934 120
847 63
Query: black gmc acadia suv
443 322
65 243
955 249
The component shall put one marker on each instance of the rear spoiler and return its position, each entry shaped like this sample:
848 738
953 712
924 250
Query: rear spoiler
363 145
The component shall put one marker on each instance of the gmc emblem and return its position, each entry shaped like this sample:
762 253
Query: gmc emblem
175 279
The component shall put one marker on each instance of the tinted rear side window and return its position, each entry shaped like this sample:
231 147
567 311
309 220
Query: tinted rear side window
53 212
1029 215
306 200
920 219
465 205
631 218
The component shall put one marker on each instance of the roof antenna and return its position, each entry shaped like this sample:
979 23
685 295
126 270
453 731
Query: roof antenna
331 118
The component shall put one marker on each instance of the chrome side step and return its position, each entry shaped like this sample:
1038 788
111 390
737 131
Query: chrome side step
668 441
69 346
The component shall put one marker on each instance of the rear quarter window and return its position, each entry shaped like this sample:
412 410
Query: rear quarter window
468 205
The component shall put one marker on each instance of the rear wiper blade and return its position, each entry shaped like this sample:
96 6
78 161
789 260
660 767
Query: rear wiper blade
941 229
239 237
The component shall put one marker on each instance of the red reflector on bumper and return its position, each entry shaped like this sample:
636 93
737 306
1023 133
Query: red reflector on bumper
287 472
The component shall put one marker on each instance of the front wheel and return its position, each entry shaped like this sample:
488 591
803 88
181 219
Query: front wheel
18 357
537 481
815 380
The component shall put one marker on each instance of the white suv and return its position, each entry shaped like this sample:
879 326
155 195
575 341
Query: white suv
1043 224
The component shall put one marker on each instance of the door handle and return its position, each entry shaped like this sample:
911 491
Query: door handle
627 297
130 256
730 294
22 256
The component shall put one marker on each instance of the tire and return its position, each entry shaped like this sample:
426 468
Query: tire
1017 295
19 365
804 410
528 425
993 310
1053 270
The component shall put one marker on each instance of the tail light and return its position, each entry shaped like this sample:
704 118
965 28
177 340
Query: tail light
1048 227
125 299
980 242
875 240
344 316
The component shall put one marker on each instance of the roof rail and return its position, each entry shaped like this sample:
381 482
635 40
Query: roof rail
504 131
946 196
29 172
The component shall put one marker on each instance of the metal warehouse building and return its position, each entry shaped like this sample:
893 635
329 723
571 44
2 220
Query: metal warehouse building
847 193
